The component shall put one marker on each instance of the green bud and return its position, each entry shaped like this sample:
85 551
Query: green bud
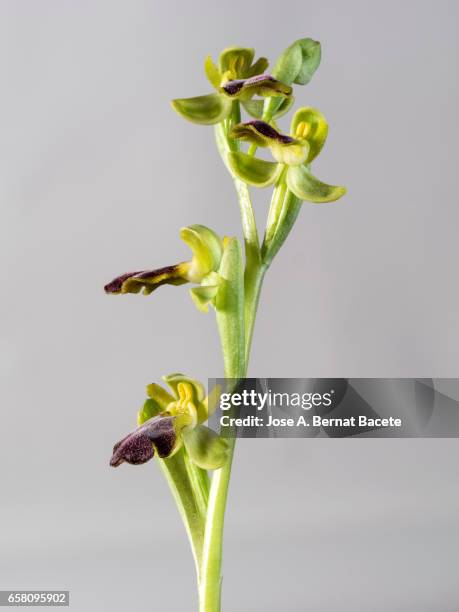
297 64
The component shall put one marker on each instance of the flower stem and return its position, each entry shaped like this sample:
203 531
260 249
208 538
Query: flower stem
236 319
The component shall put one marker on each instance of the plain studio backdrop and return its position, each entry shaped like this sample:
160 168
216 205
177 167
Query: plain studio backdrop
97 176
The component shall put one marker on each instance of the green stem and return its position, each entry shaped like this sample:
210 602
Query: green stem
253 281
236 318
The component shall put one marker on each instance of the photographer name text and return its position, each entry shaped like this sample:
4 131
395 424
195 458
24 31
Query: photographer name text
309 421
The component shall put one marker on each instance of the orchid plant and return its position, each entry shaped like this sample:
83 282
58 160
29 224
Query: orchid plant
171 423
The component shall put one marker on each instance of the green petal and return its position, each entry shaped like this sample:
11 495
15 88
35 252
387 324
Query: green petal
150 409
310 124
255 108
203 296
254 171
205 110
206 449
259 67
306 187
207 249
160 396
212 72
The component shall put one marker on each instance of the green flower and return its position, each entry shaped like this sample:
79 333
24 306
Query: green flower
207 251
169 421
235 78
293 155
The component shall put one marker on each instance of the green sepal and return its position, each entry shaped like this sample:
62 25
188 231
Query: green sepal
205 110
150 409
173 381
310 124
207 249
236 60
307 187
255 107
213 74
206 448
202 296
254 171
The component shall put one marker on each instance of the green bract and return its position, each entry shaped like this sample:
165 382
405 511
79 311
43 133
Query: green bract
235 78
293 154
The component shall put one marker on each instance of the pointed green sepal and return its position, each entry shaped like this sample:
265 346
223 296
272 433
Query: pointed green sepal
253 171
206 449
311 56
205 110
307 187
309 124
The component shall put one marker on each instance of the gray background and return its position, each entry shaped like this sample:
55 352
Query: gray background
97 175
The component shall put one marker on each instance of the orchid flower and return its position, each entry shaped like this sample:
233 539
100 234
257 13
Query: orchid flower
293 154
235 78
169 421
